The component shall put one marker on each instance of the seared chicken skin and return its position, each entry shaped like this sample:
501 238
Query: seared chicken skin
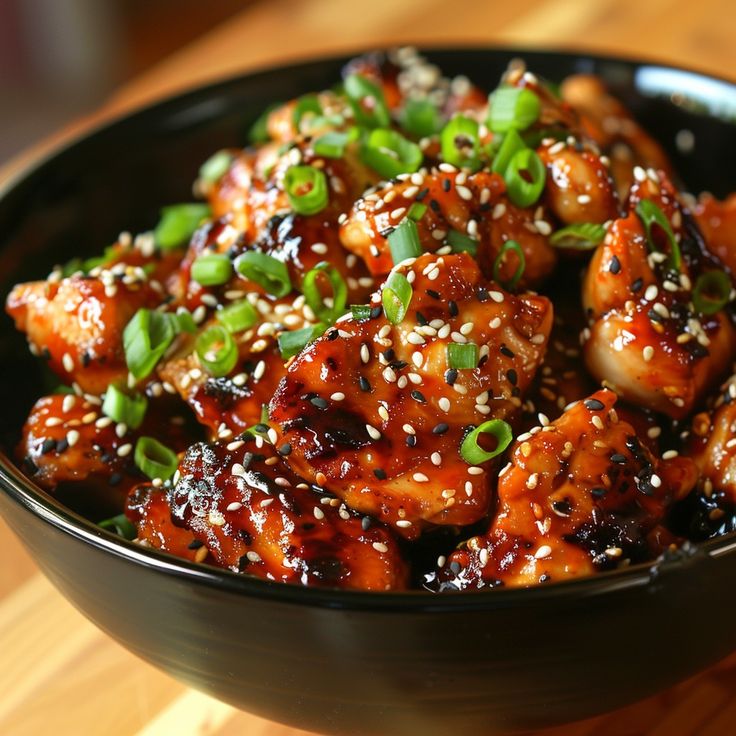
374 412
578 495
240 506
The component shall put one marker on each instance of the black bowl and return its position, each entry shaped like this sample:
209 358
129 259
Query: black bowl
350 662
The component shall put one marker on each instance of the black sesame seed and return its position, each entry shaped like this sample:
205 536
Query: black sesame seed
434 294
364 385
562 507
285 449
195 544
446 184
379 473
319 402
376 312
245 536
48 445
636 285
615 265
366 522
618 458
114 479
435 205
418 396
243 562
507 352
86 358
482 294
440 428
411 440
512 376
593 404
421 195
62 445
598 492
451 376
388 355
332 335
421 319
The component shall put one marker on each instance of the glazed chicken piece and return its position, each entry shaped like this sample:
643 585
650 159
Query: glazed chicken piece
232 403
77 323
645 340
473 205
717 221
579 495
613 128
579 185
251 200
374 413
239 506
67 439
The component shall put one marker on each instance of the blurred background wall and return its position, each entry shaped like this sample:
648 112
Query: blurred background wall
61 58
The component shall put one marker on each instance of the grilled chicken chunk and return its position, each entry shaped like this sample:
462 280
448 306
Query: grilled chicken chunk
453 202
579 495
374 413
646 339
239 506
77 323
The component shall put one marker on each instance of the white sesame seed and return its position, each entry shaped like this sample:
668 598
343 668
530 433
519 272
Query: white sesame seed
415 339
495 323
373 432
67 362
474 470
597 422
72 437
253 556
319 248
420 478
380 546
318 513
656 481
444 404
497 296
125 449
234 506
651 293
402 524
436 458
544 551
670 454
338 396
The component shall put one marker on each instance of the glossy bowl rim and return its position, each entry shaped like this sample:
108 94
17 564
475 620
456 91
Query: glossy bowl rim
43 505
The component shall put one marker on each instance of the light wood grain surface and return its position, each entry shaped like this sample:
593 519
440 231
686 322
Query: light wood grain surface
61 675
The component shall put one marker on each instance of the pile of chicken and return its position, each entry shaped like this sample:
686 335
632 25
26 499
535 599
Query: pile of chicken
339 439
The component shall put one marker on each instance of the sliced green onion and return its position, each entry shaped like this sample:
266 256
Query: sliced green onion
314 297
390 154
304 105
416 211
154 459
513 246
215 166
361 311
578 236
145 339
462 357
212 269
712 292
258 132
216 350
525 178
461 243
474 454
120 525
334 143
510 146
403 241
366 99
292 343
178 223
460 142
650 214
237 317
396 297
513 108
265 270
183 321
420 118
306 188
128 408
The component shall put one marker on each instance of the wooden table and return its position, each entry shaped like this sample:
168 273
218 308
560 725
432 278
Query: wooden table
61 675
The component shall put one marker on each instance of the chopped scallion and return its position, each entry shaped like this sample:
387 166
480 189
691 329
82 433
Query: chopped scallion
178 223
514 247
462 356
216 350
264 270
474 454
403 241
396 297
155 459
